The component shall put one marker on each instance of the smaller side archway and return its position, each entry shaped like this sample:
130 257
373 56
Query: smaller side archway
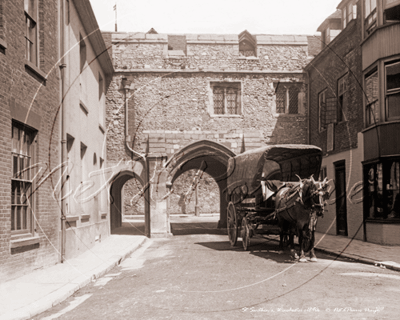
120 175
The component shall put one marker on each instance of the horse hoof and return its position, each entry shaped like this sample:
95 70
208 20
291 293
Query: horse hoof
303 260
313 259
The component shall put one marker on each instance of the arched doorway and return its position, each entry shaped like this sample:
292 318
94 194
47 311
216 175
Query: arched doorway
208 156
117 202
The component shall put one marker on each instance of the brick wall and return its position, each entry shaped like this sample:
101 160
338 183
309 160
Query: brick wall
21 89
342 56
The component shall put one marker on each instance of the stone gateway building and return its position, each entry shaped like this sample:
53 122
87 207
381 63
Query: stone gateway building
191 101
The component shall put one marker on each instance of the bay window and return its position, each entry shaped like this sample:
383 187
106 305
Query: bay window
392 72
371 93
370 16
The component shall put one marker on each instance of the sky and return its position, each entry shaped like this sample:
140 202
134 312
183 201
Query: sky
214 16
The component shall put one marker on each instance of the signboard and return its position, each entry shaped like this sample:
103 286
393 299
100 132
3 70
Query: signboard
330 137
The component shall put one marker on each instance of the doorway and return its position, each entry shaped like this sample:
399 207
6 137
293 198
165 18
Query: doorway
341 196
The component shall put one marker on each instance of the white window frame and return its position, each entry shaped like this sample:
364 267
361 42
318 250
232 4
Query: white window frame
31 31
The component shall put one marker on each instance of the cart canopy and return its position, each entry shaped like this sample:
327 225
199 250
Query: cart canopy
277 162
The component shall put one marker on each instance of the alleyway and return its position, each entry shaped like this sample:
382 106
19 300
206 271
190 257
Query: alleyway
198 275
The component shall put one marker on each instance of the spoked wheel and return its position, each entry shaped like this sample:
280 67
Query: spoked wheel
232 225
245 234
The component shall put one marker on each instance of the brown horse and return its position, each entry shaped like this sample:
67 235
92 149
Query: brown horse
297 211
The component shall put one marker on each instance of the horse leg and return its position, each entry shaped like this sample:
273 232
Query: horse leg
312 253
291 246
301 244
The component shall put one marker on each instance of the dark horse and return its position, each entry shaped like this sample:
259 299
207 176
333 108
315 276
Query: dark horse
297 211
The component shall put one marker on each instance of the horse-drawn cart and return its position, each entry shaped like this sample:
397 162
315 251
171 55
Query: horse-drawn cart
255 177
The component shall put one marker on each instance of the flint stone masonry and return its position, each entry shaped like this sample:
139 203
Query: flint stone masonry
134 51
170 100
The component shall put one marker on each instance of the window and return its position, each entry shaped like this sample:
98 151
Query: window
226 98
370 16
246 49
371 92
287 98
82 52
327 110
382 187
177 43
342 101
31 38
393 91
392 11
21 182
83 164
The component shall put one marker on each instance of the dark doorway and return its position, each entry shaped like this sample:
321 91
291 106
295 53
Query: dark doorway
341 208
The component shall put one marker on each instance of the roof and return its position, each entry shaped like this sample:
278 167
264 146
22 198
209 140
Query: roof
282 162
89 22
337 15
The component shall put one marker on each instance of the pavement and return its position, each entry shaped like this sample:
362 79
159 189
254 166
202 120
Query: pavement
34 293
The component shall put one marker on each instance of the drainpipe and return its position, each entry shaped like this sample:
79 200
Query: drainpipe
63 130
126 86
308 107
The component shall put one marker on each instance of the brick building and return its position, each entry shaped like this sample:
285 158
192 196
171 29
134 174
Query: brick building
46 102
335 95
29 122
184 99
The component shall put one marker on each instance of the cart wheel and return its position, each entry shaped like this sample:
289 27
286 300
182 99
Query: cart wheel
245 234
232 225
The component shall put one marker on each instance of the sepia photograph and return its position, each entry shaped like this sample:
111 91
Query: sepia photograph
221 159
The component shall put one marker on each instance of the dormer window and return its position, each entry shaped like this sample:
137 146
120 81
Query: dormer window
247 44
176 45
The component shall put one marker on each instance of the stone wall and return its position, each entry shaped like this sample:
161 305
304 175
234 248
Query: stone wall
170 99
133 51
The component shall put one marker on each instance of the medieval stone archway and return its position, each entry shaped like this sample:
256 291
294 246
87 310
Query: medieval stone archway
120 175
208 156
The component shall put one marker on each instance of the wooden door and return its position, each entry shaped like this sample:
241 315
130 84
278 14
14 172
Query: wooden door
341 196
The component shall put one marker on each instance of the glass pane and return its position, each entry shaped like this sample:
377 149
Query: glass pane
21 168
15 166
371 84
231 101
218 101
393 76
13 218
367 8
24 225
379 191
18 218
30 8
393 106
28 172
373 5
371 192
18 195
13 192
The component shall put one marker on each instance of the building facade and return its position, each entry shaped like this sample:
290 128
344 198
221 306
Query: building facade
336 118
85 79
381 81
233 92
47 104
30 139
